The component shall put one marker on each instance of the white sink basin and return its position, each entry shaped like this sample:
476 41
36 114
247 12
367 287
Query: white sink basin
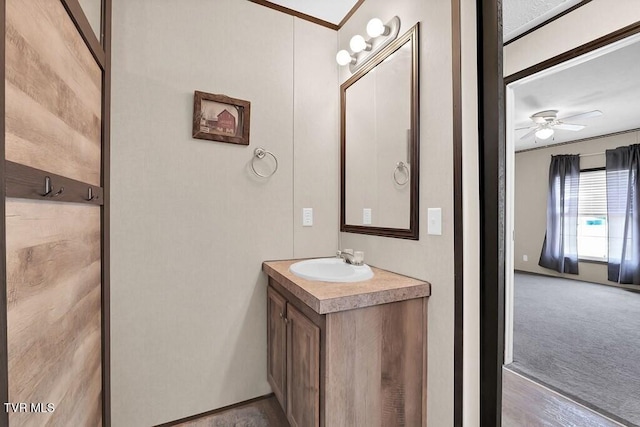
331 270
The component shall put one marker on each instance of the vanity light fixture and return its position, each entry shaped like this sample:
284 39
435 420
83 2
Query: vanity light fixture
343 57
358 44
362 50
376 28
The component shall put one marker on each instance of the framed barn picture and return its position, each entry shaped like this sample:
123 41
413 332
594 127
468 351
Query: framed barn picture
221 118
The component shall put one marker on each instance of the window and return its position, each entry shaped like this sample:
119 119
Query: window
592 215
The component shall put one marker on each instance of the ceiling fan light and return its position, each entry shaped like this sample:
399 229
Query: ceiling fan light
544 133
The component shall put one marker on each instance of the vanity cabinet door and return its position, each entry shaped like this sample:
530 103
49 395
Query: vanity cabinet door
303 370
276 343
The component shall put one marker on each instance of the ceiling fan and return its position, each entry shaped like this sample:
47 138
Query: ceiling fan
545 123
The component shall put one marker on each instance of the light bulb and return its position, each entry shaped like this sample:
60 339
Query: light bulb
343 57
376 28
358 44
544 133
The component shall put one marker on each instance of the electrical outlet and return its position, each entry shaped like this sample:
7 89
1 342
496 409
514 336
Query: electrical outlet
307 217
434 221
366 216
525 258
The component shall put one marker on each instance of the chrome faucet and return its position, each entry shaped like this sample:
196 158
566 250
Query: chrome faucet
348 257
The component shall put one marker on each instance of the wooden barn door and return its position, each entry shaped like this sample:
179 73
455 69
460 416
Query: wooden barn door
56 216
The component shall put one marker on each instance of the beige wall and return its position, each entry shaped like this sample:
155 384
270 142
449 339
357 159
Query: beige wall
431 257
531 188
591 21
316 148
190 223
471 218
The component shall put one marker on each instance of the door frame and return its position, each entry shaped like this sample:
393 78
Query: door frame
491 152
493 191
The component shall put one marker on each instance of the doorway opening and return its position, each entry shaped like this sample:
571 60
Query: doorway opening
496 226
576 334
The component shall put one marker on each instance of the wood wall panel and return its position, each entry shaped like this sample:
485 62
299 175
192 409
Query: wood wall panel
53 311
53 92
375 362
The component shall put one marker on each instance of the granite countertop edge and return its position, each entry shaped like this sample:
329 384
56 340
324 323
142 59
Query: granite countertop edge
291 286
415 288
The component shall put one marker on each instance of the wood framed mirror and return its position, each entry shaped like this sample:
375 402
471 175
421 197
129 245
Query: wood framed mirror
380 147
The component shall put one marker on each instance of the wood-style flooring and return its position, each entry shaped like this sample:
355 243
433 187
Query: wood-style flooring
528 404
524 404
259 413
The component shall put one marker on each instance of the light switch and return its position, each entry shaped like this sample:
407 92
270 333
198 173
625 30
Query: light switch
366 216
434 221
307 217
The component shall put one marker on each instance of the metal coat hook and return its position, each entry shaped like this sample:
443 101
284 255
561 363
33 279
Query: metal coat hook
90 195
48 188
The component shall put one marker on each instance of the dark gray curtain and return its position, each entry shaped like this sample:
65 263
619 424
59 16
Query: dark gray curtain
560 247
623 214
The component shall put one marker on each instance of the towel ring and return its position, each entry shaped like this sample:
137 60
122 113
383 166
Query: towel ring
401 166
260 153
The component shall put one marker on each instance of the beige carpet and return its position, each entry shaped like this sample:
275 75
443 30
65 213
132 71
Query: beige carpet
581 339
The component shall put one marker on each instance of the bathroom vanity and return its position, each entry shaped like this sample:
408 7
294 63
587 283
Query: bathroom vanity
347 354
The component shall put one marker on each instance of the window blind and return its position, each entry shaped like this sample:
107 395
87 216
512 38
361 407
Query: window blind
592 196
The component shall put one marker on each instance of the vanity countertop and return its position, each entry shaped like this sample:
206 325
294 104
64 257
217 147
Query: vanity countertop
328 297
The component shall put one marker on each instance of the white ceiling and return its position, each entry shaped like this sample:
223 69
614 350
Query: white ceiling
607 80
519 16
328 10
